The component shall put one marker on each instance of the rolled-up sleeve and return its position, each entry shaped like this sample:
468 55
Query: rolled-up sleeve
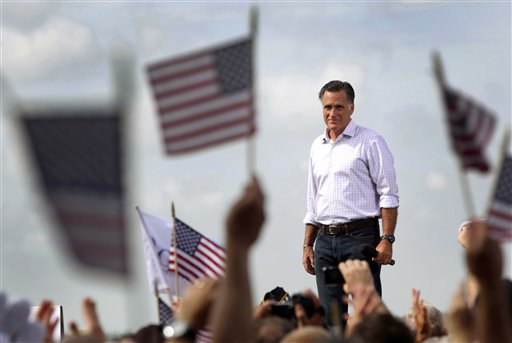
310 217
382 172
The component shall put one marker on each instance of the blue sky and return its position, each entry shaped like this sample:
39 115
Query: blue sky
59 51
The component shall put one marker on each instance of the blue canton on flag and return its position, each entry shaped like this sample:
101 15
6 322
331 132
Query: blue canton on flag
499 218
165 313
197 256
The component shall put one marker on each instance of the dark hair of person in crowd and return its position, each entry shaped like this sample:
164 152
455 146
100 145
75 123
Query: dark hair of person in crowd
149 334
381 328
272 329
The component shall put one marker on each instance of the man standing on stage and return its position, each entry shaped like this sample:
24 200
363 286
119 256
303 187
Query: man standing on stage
351 184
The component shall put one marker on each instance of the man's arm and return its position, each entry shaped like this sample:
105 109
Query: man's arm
308 255
233 310
485 262
385 248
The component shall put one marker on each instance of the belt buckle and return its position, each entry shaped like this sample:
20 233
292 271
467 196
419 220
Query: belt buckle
332 228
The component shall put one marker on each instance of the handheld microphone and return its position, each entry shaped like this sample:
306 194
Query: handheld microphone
369 251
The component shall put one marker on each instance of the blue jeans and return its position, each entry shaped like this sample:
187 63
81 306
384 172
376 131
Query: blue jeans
330 250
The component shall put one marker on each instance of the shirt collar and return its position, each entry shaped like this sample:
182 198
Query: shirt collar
349 131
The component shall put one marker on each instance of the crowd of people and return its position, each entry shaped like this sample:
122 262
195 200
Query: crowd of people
480 311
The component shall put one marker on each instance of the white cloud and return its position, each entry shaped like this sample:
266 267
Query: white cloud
56 44
212 198
27 16
436 181
289 94
151 38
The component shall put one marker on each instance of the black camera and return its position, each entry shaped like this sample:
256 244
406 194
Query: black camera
332 276
278 294
285 310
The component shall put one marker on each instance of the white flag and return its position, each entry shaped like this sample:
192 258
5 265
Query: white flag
157 236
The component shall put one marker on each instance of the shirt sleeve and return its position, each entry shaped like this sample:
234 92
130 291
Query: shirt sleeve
310 217
382 172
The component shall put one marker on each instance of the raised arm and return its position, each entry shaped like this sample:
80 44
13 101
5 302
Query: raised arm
233 312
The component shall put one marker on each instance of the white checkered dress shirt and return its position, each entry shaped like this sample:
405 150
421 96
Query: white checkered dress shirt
350 178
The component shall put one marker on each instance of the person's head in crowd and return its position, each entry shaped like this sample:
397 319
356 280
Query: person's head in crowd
381 328
272 329
149 334
15 325
307 334
435 317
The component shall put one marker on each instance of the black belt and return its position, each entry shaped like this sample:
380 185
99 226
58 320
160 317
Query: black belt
335 229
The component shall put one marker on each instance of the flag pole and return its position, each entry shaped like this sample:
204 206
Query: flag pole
466 190
174 242
155 289
251 145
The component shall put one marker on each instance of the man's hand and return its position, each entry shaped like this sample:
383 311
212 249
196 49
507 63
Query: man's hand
419 313
263 310
43 315
197 301
246 217
308 254
93 332
385 250
355 272
308 260
461 323
359 284
365 300
483 255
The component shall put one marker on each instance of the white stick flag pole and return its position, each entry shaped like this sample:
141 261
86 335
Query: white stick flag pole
466 191
174 242
251 147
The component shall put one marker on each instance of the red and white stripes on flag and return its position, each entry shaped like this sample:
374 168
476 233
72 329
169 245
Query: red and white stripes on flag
499 219
78 155
205 98
471 127
197 255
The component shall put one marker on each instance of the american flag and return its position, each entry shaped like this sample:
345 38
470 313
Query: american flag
204 336
471 127
499 219
78 155
205 98
198 257
165 312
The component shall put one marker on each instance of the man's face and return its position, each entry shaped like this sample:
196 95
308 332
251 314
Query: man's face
337 111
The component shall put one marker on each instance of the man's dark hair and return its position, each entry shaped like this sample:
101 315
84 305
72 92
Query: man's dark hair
337 86
272 329
381 328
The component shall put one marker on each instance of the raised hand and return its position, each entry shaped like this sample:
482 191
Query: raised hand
196 303
43 315
419 313
93 331
246 216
